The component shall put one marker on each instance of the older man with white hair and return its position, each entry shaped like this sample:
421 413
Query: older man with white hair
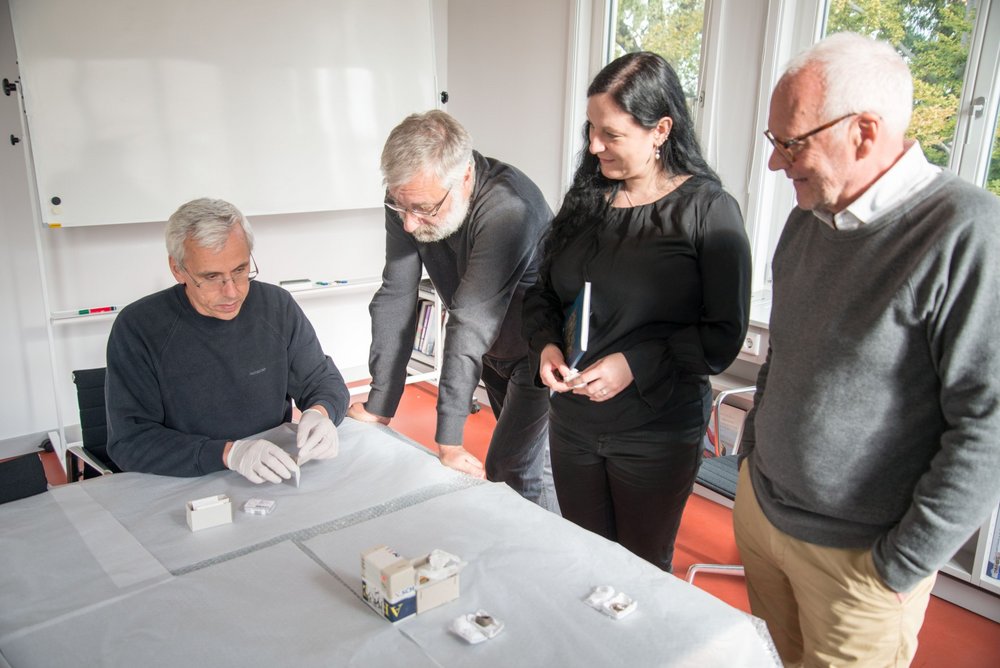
872 450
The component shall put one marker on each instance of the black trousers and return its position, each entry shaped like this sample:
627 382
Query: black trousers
630 486
519 449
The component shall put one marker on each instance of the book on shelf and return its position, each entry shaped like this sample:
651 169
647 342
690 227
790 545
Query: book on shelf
993 556
421 316
430 336
426 335
576 328
426 308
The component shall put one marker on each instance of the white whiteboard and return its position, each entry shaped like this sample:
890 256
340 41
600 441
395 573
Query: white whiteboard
279 106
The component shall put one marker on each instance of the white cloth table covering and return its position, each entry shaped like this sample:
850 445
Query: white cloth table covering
126 583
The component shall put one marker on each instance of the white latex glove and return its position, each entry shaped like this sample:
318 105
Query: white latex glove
258 460
316 437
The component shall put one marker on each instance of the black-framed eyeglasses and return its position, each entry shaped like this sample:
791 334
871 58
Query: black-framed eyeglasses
426 215
789 148
240 277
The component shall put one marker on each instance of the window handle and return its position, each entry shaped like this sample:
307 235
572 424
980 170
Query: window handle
977 107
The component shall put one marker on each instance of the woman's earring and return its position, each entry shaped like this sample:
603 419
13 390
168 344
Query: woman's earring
657 153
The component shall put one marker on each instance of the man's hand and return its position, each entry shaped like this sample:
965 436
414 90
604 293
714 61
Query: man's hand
258 460
460 459
316 437
361 414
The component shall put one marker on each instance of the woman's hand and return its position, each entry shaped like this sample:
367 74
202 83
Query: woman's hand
552 370
605 378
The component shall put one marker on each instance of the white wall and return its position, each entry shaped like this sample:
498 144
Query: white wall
507 64
731 93
26 395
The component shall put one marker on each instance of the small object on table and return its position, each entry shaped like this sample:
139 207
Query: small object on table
614 605
259 506
210 511
476 627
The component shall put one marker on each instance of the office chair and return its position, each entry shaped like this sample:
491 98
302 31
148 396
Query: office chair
718 475
93 451
22 476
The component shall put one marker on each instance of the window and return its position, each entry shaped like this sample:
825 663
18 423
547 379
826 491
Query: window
671 28
950 46
993 175
936 38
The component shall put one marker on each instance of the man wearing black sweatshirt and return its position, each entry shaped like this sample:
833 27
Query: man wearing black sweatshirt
195 369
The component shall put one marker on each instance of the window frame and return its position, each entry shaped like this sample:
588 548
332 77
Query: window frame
789 27
971 157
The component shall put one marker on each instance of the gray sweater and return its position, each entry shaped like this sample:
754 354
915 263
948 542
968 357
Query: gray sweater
877 415
481 273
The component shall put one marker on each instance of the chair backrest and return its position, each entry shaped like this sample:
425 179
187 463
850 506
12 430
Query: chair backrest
93 414
22 476
716 420
718 474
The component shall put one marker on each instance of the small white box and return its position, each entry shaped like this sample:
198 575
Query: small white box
434 592
210 511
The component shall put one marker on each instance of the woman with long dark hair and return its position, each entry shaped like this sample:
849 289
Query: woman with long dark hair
648 224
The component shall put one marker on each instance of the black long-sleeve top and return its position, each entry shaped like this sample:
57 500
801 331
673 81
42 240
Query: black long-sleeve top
670 285
481 274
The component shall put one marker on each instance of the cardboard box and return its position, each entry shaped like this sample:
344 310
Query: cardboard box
392 586
210 511
388 583
432 593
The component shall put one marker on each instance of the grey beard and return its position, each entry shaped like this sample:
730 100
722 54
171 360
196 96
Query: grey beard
447 227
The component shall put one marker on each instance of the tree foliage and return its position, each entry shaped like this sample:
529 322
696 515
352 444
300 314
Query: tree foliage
932 35
671 28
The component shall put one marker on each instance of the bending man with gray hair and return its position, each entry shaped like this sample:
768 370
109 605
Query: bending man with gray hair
475 223
196 369
871 453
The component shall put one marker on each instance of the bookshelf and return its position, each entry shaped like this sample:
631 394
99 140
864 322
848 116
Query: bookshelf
423 367
989 569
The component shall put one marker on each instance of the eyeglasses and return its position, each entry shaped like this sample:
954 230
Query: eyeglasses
789 148
423 215
240 277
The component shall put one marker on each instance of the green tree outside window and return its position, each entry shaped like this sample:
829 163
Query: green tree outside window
671 28
933 36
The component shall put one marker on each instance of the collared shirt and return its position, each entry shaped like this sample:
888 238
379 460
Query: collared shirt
909 175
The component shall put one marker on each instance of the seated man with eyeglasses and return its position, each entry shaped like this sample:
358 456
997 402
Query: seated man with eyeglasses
475 224
196 369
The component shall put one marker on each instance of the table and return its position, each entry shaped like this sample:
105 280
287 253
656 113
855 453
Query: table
106 572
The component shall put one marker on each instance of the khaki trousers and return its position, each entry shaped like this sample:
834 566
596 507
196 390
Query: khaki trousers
824 606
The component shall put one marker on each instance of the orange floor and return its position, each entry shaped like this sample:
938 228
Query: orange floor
951 637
